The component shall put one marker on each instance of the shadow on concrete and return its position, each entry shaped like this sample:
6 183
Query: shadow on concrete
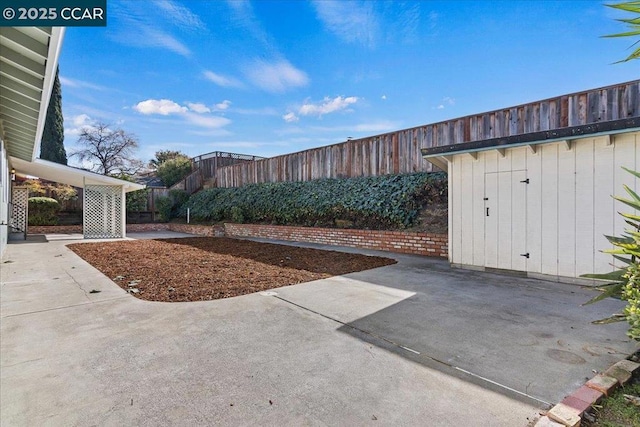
31 238
529 339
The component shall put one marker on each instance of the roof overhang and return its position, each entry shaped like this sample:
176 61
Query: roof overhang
440 155
67 175
28 62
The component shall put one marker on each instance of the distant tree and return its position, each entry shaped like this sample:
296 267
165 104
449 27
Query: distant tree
52 144
164 155
633 23
173 170
108 151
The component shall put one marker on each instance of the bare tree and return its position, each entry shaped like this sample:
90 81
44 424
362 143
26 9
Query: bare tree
109 151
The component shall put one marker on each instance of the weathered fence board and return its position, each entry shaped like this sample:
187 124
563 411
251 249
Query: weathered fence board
399 152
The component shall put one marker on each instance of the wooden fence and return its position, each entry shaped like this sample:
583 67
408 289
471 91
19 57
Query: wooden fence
399 152
208 164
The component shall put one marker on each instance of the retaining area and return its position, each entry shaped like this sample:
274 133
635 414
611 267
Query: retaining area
427 244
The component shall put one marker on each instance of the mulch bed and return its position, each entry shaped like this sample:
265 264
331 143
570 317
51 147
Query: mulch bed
207 268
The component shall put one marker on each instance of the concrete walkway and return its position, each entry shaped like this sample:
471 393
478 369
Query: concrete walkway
415 343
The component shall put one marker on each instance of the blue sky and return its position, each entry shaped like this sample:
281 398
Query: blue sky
274 77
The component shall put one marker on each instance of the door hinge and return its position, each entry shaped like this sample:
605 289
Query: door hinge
526 181
525 255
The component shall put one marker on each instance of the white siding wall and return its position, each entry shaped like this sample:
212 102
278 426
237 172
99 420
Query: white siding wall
5 190
568 205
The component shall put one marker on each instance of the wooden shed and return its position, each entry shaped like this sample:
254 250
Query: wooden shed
530 189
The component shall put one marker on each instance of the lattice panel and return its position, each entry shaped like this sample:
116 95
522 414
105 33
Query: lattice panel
103 212
19 209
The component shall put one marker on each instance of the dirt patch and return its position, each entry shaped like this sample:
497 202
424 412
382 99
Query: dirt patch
206 268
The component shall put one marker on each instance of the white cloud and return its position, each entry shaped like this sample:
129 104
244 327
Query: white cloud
327 106
224 105
140 26
78 123
276 76
221 80
180 15
64 81
352 21
163 107
290 117
384 97
198 107
211 122
157 38
196 114
446 101
379 126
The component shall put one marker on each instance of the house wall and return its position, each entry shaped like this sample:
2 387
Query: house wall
559 218
5 191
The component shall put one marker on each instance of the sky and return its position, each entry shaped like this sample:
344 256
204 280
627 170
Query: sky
273 77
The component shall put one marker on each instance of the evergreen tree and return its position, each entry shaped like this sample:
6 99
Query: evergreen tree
52 145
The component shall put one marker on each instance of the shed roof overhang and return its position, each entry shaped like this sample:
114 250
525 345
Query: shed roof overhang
67 175
28 62
441 154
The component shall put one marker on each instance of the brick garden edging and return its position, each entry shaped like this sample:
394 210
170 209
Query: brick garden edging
390 241
569 412
54 229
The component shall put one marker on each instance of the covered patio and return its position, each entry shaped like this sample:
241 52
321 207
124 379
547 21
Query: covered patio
29 59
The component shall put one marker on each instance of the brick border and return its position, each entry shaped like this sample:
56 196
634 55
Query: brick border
391 241
569 412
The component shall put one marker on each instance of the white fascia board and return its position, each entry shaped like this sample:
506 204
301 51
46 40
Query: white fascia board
67 175
55 47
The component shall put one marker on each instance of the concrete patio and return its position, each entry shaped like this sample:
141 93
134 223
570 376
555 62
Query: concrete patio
415 343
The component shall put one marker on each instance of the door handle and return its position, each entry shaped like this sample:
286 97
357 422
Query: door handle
487 211
525 255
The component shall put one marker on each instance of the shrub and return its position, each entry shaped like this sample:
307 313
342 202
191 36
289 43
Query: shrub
624 283
137 200
390 201
43 211
164 205
173 170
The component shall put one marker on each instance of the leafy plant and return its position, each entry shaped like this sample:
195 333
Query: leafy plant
624 282
633 23
137 200
43 211
390 201
164 205
174 169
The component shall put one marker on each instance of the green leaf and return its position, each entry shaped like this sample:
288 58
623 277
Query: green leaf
614 275
611 319
628 6
631 171
609 291
632 203
622 259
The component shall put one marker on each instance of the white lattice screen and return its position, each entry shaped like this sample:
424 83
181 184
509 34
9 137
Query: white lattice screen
103 217
19 209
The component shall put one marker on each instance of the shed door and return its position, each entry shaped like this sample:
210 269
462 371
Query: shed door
505 220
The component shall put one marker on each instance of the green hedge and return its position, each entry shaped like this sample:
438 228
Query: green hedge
384 202
43 211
